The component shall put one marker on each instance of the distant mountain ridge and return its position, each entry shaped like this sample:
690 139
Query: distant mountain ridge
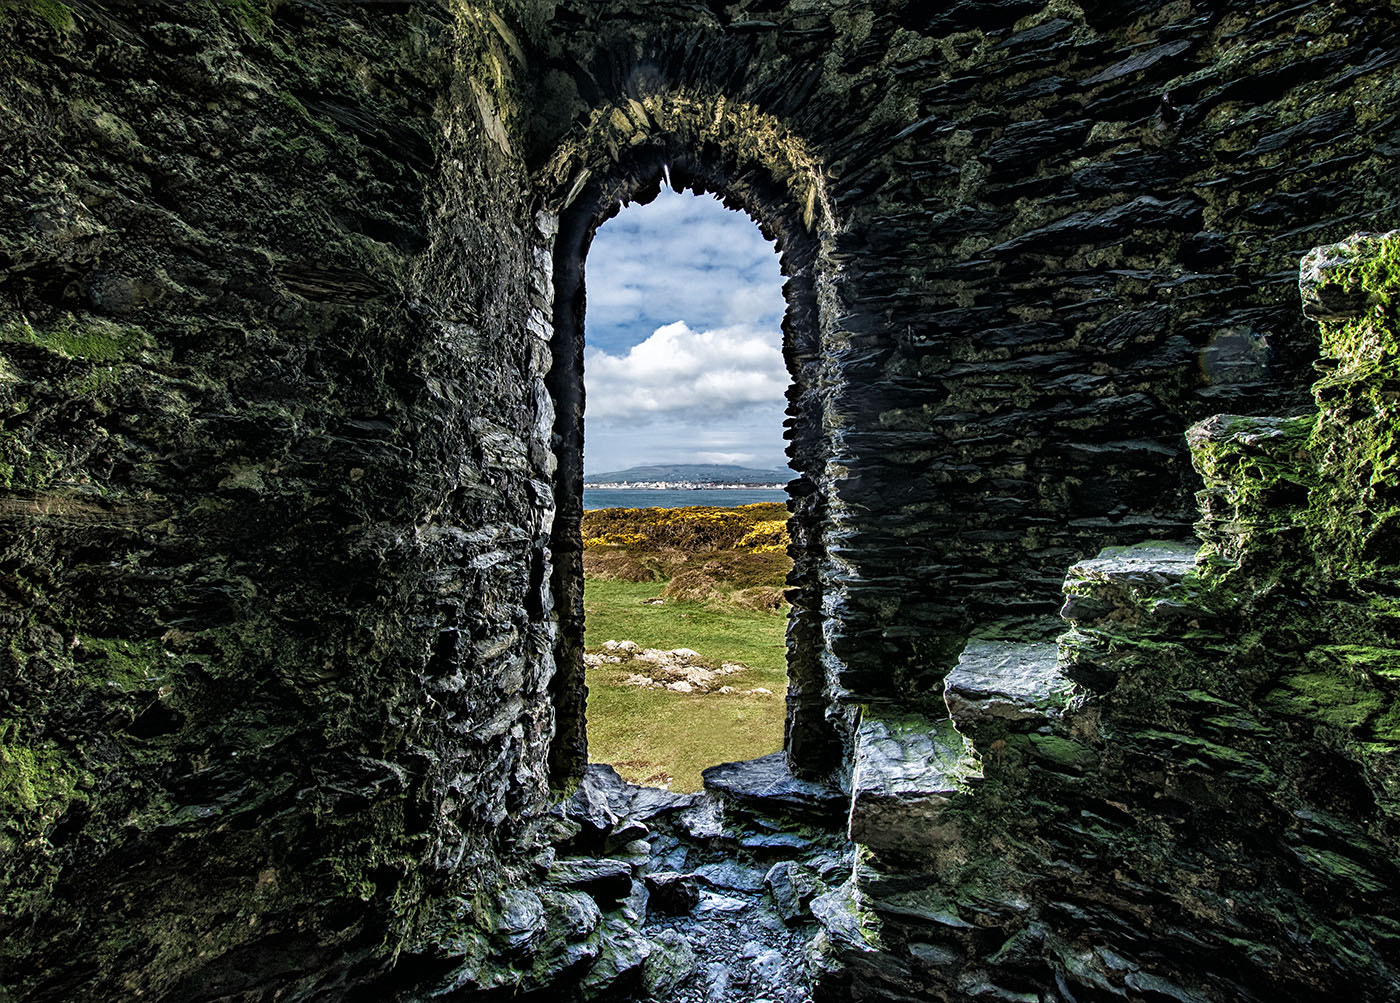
692 473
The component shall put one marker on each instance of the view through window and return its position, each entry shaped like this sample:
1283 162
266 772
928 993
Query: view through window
685 530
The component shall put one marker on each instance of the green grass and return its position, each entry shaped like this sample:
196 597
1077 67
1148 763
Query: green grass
620 611
656 736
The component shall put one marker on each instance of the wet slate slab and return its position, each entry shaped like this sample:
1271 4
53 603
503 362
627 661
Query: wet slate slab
907 769
1006 683
768 785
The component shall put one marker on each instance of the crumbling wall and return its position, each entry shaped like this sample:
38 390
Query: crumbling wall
1193 796
1058 235
278 449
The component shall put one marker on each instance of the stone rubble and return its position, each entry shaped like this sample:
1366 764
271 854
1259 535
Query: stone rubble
681 670
717 907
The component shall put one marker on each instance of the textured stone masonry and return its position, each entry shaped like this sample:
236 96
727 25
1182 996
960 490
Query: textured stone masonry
290 418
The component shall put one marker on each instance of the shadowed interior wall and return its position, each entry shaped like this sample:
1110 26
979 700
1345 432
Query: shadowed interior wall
276 467
1060 234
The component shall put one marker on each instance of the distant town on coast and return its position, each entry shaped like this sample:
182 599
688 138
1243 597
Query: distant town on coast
687 477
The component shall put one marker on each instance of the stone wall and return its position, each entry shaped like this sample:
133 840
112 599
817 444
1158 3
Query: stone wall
1053 236
1194 796
274 445
280 457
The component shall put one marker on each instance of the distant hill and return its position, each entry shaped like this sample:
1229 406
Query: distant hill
695 473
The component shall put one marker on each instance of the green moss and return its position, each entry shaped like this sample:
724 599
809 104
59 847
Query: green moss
1380 274
24 467
57 15
90 338
96 382
1063 752
255 16
36 785
1375 267
128 664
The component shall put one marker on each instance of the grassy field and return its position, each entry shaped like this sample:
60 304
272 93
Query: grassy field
701 578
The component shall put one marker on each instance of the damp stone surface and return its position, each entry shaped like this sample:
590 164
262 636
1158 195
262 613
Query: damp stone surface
1092 333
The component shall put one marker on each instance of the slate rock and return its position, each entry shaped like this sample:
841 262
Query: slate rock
792 888
713 902
606 879
571 925
907 769
672 894
776 842
649 802
845 924
767 784
591 805
1108 590
518 918
623 951
669 966
1330 283
1006 682
731 875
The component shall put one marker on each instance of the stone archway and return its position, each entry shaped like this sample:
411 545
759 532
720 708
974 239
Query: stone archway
703 146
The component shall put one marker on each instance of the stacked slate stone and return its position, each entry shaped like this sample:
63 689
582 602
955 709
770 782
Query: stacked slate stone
657 897
1048 237
274 502
1195 796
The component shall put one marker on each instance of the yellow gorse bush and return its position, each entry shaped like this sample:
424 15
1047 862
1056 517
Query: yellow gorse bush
765 537
693 528
614 540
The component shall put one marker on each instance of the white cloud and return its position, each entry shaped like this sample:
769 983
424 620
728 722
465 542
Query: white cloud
680 256
706 374
709 390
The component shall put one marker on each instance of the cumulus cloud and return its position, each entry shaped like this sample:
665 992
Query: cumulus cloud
679 257
684 362
708 374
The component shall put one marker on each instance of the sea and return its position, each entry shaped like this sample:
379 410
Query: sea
677 498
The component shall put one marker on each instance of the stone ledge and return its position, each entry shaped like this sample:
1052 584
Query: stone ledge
768 785
1006 683
1115 586
907 770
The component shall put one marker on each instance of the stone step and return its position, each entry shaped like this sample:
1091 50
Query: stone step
907 770
766 785
1001 686
1122 585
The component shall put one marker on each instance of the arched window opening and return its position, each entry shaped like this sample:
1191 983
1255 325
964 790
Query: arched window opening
684 531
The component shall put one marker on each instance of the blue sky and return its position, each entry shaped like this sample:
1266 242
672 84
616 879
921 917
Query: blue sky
683 360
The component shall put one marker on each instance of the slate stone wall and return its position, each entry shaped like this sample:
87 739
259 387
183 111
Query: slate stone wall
1193 797
279 449
274 450
1061 234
